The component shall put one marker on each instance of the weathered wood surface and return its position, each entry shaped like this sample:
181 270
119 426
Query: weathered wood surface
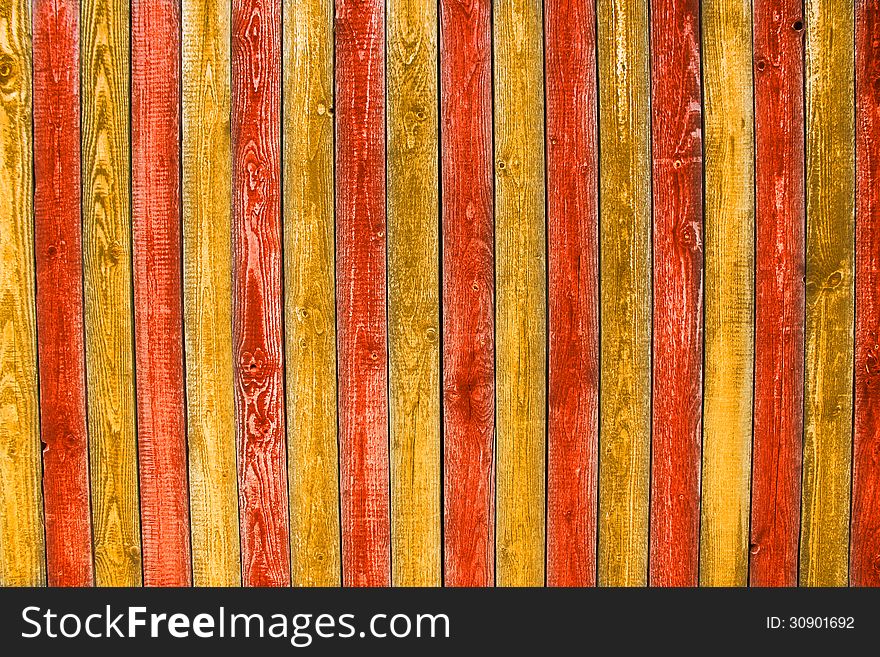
865 541
520 277
729 282
106 161
413 291
573 291
779 292
677 178
362 325
468 292
58 251
625 296
158 301
22 561
207 279
828 371
310 306
257 321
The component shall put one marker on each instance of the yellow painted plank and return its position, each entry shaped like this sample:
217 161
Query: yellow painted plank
625 247
729 280
310 306
22 562
207 271
413 292
520 291
828 400
107 263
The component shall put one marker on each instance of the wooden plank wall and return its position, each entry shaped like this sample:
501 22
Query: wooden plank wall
468 293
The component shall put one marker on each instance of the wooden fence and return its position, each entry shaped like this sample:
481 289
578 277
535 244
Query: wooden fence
468 292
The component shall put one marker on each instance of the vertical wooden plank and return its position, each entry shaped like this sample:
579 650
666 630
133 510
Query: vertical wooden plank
829 296
573 277
158 311
865 548
58 246
779 291
361 292
468 292
108 291
207 268
729 280
258 351
625 259
22 561
413 292
520 252
677 177
310 306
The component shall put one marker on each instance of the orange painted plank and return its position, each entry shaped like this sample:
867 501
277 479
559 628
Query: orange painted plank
779 292
361 292
865 541
257 310
468 291
677 172
573 294
158 306
58 245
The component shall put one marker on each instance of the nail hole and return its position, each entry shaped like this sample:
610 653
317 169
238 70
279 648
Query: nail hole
798 26
761 64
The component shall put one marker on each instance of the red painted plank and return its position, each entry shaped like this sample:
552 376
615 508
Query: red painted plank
779 302
361 292
677 165
468 291
158 307
573 269
865 548
58 241
257 319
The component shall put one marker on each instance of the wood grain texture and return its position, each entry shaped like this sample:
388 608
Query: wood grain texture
310 306
158 306
625 260
207 271
865 541
573 291
779 292
677 172
729 281
520 275
413 292
362 327
22 561
824 546
468 234
106 158
58 246
257 321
